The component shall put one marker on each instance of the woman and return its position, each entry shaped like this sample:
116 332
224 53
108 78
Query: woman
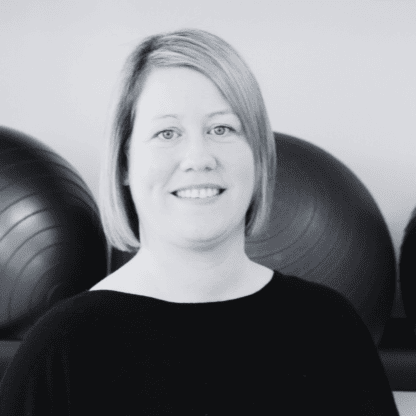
192 326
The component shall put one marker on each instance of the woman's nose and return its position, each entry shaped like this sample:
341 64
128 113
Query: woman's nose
198 154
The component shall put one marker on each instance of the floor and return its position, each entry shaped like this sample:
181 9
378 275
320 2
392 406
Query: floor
406 402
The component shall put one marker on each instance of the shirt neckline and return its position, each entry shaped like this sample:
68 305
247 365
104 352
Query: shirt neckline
225 302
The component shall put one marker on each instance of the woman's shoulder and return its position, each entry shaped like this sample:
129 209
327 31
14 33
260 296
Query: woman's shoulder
66 314
80 315
315 297
305 287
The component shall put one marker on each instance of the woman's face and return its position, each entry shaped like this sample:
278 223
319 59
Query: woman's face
185 133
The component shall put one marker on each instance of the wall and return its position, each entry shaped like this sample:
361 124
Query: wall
339 74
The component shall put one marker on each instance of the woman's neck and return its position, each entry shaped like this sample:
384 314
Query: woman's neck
191 278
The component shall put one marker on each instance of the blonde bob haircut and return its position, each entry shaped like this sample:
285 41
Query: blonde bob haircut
217 60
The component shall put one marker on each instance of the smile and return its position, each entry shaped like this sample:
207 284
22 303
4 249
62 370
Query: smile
198 193
200 198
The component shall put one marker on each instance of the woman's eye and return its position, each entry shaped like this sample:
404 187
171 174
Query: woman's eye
221 130
170 134
166 134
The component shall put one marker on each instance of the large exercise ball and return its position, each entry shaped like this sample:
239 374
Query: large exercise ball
325 228
407 268
52 244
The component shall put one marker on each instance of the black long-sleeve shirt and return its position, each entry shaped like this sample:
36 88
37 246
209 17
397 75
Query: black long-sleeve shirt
292 348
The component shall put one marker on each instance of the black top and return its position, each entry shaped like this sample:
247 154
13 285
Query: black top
292 348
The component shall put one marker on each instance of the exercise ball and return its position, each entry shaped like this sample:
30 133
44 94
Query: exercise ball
52 245
407 268
325 227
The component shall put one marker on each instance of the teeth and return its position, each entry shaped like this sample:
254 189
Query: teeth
198 193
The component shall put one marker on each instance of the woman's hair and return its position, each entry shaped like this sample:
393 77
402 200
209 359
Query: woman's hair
213 57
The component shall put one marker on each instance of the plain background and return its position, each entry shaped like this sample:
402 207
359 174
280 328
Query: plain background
337 73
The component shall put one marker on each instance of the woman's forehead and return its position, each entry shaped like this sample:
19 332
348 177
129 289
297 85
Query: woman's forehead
172 92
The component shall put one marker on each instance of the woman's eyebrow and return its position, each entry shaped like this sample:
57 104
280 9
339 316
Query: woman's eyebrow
210 115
